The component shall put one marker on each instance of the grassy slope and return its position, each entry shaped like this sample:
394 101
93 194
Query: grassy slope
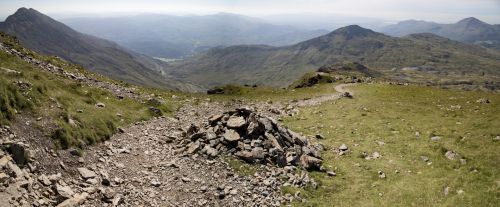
58 100
393 114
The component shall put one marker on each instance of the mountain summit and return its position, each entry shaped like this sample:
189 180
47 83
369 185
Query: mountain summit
471 22
352 31
48 36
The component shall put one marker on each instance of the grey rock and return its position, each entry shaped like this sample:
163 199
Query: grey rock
64 191
231 135
100 105
14 168
435 138
236 122
86 173
193 147
245 155
258 153
451 155
309 162
44 180
343 147
74 201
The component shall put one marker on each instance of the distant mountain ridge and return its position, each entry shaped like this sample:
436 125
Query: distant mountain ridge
468 30
43 34
179 36
280 66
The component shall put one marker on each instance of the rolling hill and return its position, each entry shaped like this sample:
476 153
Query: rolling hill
43 34
469 30
178 36
280 66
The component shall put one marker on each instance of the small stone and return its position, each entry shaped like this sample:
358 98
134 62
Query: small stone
155 183
185 179
381 175
435 138
343 147
331 173
108 194
44 180
319 136
424 158
100 105
451 155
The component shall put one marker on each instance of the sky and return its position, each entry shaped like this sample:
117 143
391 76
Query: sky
442 11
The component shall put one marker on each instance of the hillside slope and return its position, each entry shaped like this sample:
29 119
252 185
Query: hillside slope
280 66
469 30
43 34
178 36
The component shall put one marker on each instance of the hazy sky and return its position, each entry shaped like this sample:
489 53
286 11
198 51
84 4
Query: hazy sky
443 11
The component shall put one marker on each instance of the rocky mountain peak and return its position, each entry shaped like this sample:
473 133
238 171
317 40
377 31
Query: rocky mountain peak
471 22
352 31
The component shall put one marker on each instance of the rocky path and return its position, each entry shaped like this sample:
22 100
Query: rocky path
152 163
341 92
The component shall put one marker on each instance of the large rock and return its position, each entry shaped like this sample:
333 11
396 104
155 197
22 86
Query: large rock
231 135
236 122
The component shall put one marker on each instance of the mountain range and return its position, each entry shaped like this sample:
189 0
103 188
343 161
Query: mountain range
48 36
170 36
423 57
469 30
280 66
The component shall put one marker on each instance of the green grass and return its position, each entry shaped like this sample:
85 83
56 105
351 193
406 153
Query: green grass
60 101
393 114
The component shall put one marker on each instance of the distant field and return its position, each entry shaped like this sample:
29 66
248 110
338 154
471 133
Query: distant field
387 119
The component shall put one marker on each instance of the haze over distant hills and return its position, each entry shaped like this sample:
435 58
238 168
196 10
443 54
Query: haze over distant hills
43 34
469 30
178 36
280 66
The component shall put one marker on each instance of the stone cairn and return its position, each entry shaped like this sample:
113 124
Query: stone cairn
253 138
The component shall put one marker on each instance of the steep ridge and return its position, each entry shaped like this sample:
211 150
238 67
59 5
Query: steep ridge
43 34
280 66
